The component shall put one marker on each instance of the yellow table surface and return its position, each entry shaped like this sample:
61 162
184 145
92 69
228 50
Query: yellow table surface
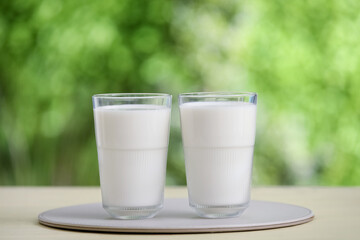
336 209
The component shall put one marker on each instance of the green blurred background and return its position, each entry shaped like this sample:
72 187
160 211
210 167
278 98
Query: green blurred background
302 57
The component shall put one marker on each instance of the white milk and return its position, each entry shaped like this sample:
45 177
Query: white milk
132 142
218 140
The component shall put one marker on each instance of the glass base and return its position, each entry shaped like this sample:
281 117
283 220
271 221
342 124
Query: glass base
128 213
219 211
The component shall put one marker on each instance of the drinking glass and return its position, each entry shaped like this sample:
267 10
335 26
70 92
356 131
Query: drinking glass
218 132
132 135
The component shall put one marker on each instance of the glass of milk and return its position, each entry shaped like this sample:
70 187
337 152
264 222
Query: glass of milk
132 136
218 132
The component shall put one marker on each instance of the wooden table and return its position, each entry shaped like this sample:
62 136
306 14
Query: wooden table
337 213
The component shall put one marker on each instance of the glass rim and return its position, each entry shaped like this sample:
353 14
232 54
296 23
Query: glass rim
131 95
217 94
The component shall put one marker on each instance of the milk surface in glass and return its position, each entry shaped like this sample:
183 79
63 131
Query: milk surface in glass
132 143
218 139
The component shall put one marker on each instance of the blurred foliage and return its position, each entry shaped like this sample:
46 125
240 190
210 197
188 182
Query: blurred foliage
301 56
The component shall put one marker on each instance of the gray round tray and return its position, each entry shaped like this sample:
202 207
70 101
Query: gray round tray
177 217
